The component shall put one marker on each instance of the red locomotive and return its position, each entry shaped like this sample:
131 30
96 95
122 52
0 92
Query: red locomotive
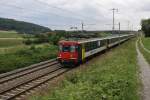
68 52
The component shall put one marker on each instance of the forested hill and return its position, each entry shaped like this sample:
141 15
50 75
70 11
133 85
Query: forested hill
22 27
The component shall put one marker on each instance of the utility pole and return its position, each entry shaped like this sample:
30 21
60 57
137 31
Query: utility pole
113 28
128 25
132 27
82 24
119 27
119 33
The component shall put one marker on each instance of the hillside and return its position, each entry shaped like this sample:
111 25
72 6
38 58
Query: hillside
22 27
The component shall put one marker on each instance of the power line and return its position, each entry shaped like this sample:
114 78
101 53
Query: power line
52 25
51 6
21 8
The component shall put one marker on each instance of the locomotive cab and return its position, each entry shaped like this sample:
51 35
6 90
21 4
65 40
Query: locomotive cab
68 53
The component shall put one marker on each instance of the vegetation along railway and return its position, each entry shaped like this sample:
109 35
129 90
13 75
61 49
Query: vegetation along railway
22 81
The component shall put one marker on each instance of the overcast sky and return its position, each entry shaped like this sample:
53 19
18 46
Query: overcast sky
63 14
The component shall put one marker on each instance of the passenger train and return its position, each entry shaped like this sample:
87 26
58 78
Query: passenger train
76 52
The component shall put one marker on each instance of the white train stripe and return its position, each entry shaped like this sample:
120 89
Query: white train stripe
89 53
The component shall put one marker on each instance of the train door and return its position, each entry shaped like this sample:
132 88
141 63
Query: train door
79 53
107 43
83 52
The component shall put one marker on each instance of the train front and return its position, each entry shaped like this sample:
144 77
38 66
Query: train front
68 53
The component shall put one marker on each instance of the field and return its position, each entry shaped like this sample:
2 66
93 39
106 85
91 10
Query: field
14 49
10 42
113 77
10 34
26 56
15 54
10 38
146 43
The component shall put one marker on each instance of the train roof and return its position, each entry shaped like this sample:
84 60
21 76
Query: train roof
97 39
92 39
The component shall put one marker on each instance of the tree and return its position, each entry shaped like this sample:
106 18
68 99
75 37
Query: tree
55 39
146 27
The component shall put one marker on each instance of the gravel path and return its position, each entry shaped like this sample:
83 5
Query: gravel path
145 74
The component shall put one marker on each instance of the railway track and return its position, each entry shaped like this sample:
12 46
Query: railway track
19 82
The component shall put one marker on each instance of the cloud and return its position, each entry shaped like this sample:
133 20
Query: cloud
61 14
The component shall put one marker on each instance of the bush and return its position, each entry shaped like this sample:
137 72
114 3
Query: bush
146 27
27 41
55 39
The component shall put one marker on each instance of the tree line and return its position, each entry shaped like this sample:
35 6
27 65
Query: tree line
55 36
145 23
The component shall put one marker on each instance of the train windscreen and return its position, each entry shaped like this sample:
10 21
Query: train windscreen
67 48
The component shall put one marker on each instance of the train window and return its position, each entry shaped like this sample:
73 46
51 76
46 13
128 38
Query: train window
72 48
103 42
92 45
95 44
99 43
66 49
87 46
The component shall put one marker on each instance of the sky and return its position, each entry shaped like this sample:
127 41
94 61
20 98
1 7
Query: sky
63 14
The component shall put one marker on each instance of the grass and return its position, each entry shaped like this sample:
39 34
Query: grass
113 77
15 54
14 49
26 57
10 38
10 42
10 34
146 43
103 34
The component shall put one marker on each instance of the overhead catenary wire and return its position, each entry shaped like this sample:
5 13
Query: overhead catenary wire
48 25
59 8
66 10
38 18
21 8
48 13
39 11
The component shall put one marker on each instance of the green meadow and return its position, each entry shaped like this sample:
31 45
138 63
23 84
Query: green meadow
10 34
146 44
